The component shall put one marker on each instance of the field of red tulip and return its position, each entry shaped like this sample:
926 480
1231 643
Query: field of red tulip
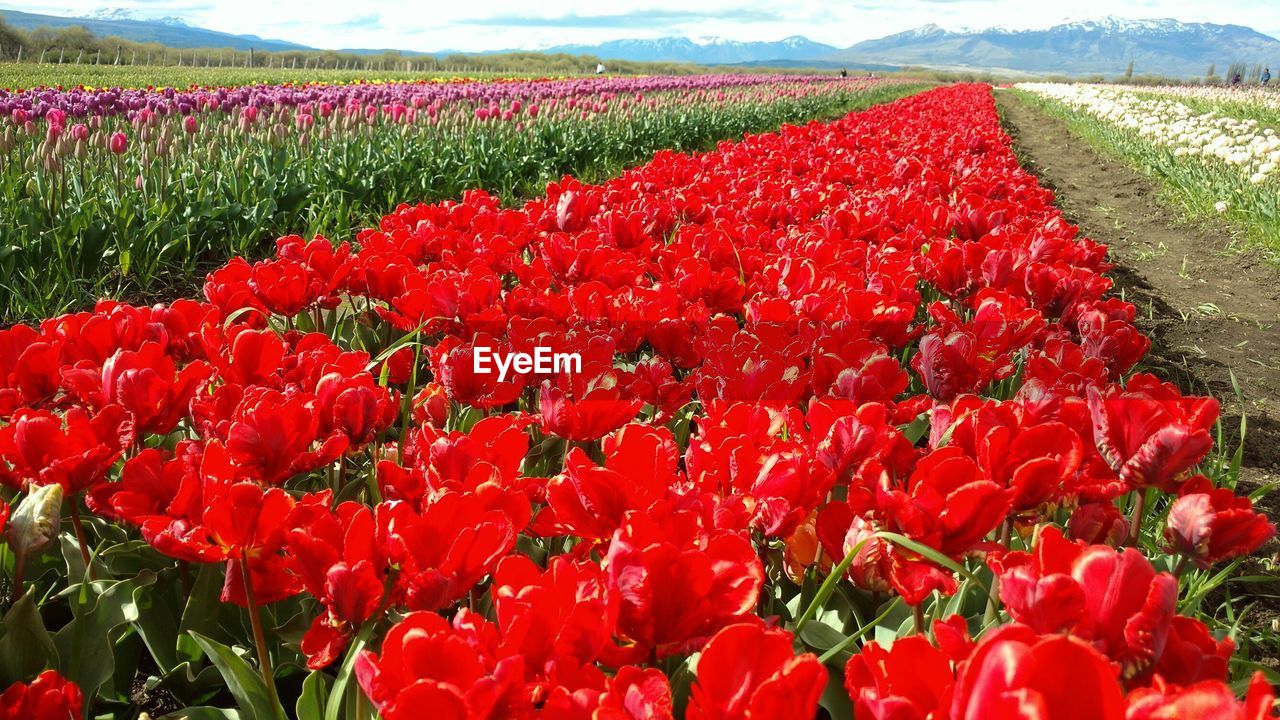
128 191
847 425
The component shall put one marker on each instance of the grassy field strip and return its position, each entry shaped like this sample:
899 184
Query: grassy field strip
1210 164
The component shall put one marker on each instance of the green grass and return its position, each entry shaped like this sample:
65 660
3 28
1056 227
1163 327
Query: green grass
1187 184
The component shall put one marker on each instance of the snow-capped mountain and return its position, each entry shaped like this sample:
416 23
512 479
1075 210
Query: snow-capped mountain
171 31
706 51
1076 47
1095 46
119 13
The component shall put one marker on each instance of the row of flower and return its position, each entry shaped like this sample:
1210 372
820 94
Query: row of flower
1217 162
855 431
120 188
1167 122
1263 101
82 102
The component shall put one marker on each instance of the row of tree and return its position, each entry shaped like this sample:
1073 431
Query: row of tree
1246 72
76 44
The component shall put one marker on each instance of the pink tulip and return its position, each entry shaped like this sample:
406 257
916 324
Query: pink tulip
118 143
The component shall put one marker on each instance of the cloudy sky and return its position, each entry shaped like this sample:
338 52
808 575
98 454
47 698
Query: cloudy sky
495 24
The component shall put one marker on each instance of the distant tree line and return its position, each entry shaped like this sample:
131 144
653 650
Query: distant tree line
77 45
1248 73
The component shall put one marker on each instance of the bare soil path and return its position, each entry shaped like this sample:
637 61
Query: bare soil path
1209 311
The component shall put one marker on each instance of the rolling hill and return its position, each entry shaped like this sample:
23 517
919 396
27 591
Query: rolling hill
169 31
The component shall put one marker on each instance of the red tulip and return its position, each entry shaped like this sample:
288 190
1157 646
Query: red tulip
633 693
49 697
337 558
1117 600
590 501
426 663
152 482
28 369
285 287
1211 525
1209 699
354 406
1151 437
219 519
1014 673
73 451
145 382
909 679
948 364
946 503
562 613
748 671
118 143
446 549
273 437
678 584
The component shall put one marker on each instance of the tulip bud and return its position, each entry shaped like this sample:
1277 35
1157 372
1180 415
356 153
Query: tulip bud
118 143
190 124
34 524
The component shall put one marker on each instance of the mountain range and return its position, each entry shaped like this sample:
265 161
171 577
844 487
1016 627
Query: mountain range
704 51
169 31
1105 46
1089 47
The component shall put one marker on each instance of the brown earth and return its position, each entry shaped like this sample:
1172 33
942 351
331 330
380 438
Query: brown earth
1210 311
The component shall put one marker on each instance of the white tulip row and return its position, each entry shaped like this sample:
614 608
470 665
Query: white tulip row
1165 122
1239 95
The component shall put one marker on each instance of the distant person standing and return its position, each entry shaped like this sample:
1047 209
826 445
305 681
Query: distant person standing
599 68
1235 79
1266 76
844 72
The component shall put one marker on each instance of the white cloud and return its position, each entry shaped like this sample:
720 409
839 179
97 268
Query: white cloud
519 23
